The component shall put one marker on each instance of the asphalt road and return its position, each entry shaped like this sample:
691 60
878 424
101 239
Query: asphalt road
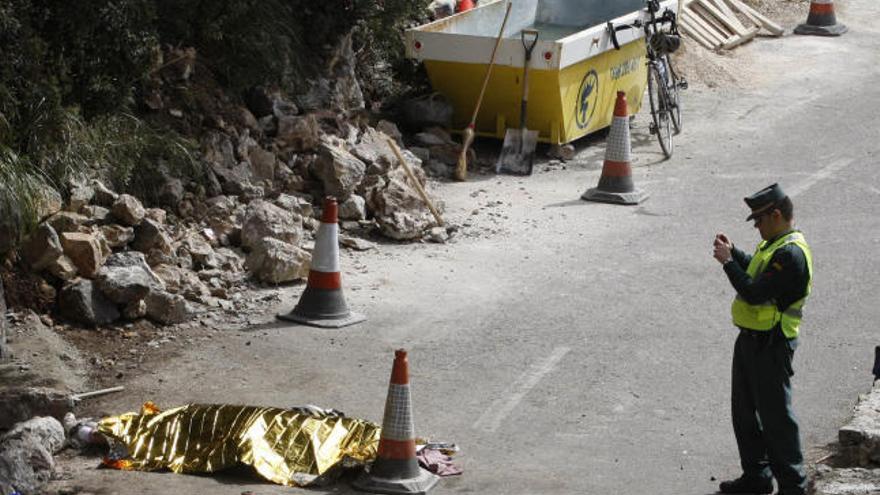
585 348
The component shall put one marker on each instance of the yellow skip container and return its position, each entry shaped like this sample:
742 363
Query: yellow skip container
575 70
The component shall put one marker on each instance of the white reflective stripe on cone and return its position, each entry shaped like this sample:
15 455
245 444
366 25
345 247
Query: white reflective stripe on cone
325 256
397 423
618 141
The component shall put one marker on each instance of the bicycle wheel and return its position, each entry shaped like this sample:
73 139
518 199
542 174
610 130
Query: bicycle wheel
674 94
657 95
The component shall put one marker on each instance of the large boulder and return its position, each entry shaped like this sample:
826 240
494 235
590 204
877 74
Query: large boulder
263 219
199 250
42 247
262 163
103 196
66 221
26 461
860 438
84 251
165 308
149 236
338 170
374 151
82 302
21 404
353 208
128 210
277 262
117 236
126 277
397 207
299 133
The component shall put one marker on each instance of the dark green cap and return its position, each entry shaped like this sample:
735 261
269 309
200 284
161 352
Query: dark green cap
764 199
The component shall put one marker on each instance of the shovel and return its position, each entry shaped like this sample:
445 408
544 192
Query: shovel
518 152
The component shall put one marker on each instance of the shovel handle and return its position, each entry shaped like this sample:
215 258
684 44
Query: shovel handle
529 39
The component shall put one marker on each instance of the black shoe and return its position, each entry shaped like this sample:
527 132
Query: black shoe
747 485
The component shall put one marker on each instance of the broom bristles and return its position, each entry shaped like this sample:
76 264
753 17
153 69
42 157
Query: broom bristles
461 170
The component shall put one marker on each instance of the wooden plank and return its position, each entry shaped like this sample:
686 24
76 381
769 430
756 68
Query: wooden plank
704 29
721 17
710 21
769 25
741 28
742 39
697 32
688 30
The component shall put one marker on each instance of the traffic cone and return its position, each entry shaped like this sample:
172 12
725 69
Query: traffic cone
396 469
821 21
464 5
322 303
616 184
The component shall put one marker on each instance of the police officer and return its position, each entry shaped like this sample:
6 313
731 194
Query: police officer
771 287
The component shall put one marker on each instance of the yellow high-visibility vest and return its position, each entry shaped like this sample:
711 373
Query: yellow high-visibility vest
764 316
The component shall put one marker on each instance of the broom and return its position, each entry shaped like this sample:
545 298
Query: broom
461 170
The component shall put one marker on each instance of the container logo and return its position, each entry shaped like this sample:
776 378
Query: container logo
588 98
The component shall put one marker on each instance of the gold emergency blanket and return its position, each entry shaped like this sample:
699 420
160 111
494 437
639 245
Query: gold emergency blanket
288 447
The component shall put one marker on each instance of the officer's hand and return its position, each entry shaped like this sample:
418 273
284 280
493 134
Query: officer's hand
722 252
720 238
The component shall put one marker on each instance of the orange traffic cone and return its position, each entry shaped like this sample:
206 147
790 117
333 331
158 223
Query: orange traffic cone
396 469
821 21
616 184
464 5
322 303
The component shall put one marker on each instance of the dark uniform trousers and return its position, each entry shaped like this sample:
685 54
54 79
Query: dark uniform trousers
763 421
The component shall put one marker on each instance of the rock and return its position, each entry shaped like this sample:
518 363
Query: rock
860 438
95 214
339 88
170 193
849 481
258 101
157 215
65 221
85 252
248 119
276 262
353 208
128 210
263 219
217 149
426 111
117 236
165 308
283 108
82 302
26 460
47 202
397 208
339 171
4 350
430 139
201 253
299 133
102 195
269 125
295 204
171 276
135 310
263 163
63 268
438 169
80 196
234 180
42 247
564 152
374 151
438 235
149 236
390 129
126 278
356 243
21 404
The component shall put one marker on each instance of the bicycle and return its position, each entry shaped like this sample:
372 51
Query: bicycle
664 84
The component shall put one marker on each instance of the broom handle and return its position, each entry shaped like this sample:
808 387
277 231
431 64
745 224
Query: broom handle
491 63
415 182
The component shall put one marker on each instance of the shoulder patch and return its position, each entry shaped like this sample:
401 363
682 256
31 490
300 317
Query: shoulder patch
777 266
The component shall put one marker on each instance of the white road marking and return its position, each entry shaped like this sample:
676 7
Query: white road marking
824 173
491 419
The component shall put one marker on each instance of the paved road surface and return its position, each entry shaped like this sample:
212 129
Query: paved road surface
585 348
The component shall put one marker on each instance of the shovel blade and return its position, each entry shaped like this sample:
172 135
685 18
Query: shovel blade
518 152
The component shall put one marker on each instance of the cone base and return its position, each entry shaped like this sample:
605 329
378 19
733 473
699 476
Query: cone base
418 485
311 321
835 30
621 198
